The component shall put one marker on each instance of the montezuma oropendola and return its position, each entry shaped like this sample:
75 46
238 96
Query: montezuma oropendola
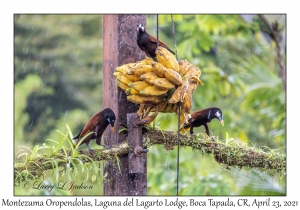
96 124
148 43
203 117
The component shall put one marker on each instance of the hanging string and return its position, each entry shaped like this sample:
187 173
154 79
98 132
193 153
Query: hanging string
178 111
157 31
174 34
178 143
178 104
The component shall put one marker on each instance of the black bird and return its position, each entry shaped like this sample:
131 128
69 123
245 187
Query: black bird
148 43
96 124
203 117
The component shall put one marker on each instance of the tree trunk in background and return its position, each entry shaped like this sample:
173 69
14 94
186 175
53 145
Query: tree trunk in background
119 47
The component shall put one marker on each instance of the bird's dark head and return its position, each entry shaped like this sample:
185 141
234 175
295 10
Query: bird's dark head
110 117
140 28
215 112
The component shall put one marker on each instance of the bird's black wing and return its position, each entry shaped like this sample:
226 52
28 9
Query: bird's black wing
161 43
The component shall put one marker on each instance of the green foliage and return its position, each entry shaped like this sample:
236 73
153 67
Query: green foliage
64 159
23 89
204 176
240 72
67 166
255 183
241 76
213 184
58 81
64 52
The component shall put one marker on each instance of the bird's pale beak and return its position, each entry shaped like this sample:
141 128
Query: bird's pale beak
222 122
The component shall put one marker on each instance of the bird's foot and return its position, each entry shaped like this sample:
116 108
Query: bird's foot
92 152
105 146
212 139
193 135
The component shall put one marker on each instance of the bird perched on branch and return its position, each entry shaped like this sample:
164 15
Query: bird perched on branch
203 117
148 43
96 126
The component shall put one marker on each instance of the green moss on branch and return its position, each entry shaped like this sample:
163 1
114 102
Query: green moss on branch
229 153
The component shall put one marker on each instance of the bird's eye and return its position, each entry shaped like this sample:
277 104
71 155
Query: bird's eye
218 114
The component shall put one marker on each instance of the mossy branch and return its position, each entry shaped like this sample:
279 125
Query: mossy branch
228 152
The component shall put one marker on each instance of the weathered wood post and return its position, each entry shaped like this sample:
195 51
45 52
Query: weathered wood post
119 47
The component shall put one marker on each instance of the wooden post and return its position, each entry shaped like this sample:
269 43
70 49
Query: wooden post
136 156
119 47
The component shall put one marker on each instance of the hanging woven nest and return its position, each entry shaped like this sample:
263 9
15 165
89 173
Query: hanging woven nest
159 86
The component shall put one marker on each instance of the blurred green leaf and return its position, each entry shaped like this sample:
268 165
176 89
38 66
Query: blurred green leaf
58 81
